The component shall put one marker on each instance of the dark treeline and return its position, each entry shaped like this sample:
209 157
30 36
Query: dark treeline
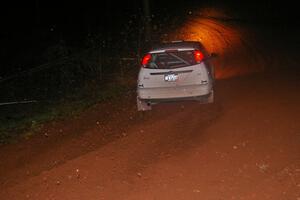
30 27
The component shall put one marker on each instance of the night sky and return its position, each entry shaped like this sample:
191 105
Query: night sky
20 15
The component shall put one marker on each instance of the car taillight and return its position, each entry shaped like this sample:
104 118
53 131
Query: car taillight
146 59
198 55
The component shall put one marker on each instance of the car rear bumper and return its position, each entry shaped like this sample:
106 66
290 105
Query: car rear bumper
174 93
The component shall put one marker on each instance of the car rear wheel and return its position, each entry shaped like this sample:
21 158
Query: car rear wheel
210 98
143 105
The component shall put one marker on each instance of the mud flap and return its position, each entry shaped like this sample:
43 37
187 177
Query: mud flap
143 105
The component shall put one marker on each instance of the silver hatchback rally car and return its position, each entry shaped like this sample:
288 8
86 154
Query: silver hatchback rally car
175 71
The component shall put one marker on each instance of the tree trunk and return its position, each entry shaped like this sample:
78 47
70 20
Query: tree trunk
147 20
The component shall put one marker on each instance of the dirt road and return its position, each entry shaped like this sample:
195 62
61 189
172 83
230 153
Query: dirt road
244 146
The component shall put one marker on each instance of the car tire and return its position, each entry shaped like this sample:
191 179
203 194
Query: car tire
142 105
211 97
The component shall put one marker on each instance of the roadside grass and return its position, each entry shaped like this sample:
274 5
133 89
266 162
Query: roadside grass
25 120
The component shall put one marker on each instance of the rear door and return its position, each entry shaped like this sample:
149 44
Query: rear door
171 68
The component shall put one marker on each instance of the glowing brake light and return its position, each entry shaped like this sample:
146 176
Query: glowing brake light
198 55
146 59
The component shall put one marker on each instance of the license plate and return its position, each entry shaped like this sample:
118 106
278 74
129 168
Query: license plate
171 77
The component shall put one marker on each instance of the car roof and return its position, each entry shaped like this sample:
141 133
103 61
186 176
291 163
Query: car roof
177 45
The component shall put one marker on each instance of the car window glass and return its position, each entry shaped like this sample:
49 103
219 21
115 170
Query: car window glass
171 60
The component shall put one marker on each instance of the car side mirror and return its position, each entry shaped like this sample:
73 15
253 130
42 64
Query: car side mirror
213 55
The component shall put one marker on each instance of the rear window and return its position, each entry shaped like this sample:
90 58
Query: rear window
171 60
